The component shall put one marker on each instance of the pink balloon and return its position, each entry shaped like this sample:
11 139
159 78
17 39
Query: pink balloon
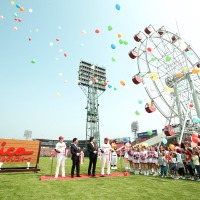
193 144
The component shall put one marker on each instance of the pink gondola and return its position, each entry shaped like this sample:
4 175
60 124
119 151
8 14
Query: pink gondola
150 108
169 130
137 79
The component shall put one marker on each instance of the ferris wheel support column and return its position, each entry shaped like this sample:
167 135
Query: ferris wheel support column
194 94
184 123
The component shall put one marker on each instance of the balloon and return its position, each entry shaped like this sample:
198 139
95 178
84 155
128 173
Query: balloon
196 120
194 134
191 105
51 44
119 35
153 59
113 59
105 83
65 54
125 43
83 32
97 31
154 78
117 6
121 41
185 69
61 50
33 61
193 144
149 133
65 81
172 147
82 44
195 71
37 30
179 75
30 10
167 58
58 94
109 86
29 39
19 20
137 113
171 90
12 3
1 17
140 101
59 28
113 46
164 141
15 14
15 28
195 140
115 88
21 9
149 49
110 28
57 40
60 74
166 88
122 83
18 6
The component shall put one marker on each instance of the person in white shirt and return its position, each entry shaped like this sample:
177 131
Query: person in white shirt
61 156
106 156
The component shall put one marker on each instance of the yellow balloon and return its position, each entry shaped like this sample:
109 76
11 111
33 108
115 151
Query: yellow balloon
171 90
12 3
166 88
37 30
185 69
154 78
58 94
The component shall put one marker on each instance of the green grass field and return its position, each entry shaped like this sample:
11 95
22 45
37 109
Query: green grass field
25 186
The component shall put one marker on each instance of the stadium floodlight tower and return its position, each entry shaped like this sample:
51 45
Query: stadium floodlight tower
92 81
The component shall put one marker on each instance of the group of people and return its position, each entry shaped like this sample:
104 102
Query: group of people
144 160
77 155
177 162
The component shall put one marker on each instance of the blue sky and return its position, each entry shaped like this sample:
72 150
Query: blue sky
28 91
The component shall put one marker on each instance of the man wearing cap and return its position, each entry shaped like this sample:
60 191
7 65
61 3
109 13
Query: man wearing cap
61 153
106 156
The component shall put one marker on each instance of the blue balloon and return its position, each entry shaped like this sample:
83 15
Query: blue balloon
126 140
164 141
140 101
117 6
18 6
113 46
196 120
109 86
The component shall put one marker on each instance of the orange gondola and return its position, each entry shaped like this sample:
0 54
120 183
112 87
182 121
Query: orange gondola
169 130
150 107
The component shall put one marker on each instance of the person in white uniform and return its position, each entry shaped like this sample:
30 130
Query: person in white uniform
61 156
105 156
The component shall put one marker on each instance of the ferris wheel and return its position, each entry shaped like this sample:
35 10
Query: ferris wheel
169 70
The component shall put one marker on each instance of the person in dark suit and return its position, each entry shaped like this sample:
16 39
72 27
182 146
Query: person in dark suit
75 151
92 148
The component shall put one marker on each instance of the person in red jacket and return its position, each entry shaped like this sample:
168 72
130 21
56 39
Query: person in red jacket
188 153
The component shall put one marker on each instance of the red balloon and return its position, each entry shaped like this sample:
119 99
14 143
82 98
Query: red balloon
65 54
29 39
191 105
97 31
149 49
195 140
105 83
194 134
19 20
57 40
